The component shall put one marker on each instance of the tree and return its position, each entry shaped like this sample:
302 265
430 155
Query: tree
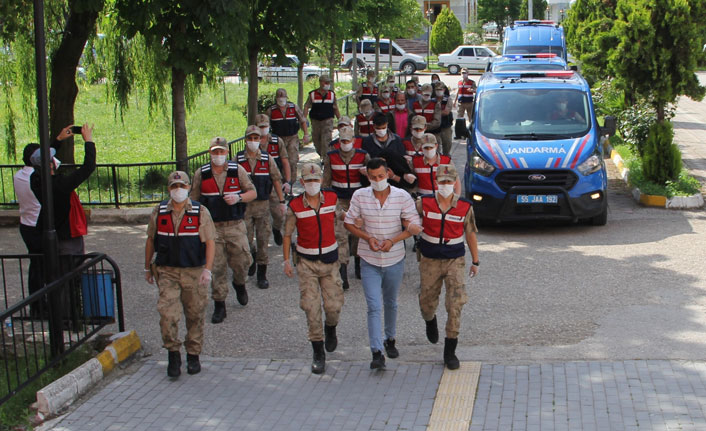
191 34
539 9
69 24
500 11
589 36
446 34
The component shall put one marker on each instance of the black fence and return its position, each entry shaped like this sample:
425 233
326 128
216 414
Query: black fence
42 324
119 185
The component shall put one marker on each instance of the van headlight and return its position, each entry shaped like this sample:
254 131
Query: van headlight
590 165
481 166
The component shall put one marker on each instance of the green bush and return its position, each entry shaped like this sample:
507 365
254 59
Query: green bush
446 34
661 161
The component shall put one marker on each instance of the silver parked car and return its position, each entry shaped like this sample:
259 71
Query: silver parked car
468 56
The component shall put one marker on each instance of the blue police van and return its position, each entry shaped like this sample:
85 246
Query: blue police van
535 37
535 149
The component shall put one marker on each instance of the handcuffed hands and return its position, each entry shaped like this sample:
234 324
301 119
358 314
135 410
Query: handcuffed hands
205 277
231 198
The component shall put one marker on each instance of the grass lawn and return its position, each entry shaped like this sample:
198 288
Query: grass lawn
137 138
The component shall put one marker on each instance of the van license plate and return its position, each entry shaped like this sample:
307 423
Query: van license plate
537 199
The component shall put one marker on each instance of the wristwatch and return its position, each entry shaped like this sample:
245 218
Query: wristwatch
476 263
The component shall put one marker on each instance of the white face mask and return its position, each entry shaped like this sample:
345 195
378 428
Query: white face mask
440 93
381 132
281 101
434 81
327 87
426 97
265 130
218 160
179 195
411 92
391 83
253 145
367 112
418 135
379 186
312 188
386 95
430 154
347 146
400 106
445 190
563 105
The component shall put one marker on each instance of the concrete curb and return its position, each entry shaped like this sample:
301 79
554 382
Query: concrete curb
676 202
93 216
59 394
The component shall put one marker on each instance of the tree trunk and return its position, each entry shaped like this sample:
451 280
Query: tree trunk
63 89
252 84
300 83
332 59
377 54
179 110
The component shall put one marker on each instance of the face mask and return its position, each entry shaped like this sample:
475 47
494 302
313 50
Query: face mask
400 106
562 106
312 188
426 97
385 95
418 135
446 190
327 87
367 112
253 145
218 160
265 130
381 132
379 186
434 81
411 92
346 147
179 195
440 93
429 154
281 101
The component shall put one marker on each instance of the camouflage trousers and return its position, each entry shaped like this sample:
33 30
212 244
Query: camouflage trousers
450 272
342 235
232 251
464 108
321 134
179 291
291 143
319 282
444 139
257 222
276 212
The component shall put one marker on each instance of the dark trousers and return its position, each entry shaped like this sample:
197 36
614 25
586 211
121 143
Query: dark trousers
32 238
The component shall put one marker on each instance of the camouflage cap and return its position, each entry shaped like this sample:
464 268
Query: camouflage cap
345 134
178 177
427 88
446 173
419 122
252 130
439 86
344 120
262 120
324 78
311 171
464 70
218 143
365 103
429 141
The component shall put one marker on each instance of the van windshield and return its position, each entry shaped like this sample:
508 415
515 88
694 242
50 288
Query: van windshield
534 49
533 114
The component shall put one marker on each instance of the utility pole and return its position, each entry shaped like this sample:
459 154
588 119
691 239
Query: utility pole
529 9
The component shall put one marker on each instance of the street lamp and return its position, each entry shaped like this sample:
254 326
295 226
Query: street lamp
547 12
561 15
430 13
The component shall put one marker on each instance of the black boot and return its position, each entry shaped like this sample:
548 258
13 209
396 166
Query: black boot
240 293
278 236
378 361
357 267
344 275
432 330
193 366
318 365
219 311
251 270
262 282
450 359
331 339
174 366
390 348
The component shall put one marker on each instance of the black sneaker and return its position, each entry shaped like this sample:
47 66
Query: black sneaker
378 362
390 348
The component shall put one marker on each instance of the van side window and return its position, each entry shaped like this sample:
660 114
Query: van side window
348 47
369 48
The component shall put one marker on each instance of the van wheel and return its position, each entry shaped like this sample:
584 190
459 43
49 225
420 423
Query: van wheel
409 68
453 69
601 219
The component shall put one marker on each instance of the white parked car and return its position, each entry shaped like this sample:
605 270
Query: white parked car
468 56
365 53
275 69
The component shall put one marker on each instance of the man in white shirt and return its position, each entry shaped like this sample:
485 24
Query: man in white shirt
29 213
381 208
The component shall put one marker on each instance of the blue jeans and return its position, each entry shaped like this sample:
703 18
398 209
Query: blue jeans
381 285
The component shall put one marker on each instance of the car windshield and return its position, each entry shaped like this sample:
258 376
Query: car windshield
534 49
533 114
526 66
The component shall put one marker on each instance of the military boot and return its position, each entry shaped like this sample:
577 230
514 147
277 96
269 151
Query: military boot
174 365
277 236
344 275
251 270
193 366
331 339
240 293
262 282
219 311
357 267
318 365
450 359
432 330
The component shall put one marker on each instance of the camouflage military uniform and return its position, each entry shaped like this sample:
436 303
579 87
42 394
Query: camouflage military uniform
231 240
257 215
179 289
275 206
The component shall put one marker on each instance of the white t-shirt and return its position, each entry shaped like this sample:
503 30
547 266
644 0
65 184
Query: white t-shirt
382 222
29 205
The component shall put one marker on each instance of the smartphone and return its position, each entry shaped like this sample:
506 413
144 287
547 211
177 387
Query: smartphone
76 130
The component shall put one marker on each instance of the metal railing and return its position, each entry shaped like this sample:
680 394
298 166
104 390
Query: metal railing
119 184
42 327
